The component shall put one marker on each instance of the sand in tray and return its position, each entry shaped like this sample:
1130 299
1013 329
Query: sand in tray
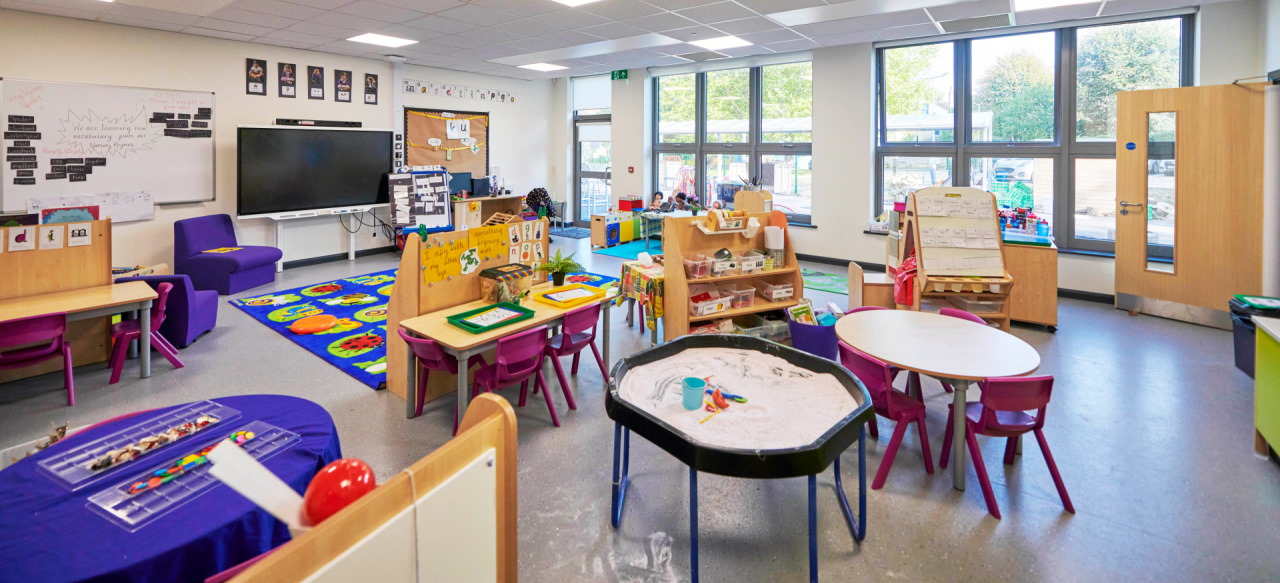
788 406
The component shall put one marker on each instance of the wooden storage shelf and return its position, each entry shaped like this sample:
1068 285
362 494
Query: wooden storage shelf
683 238
783 271
757 307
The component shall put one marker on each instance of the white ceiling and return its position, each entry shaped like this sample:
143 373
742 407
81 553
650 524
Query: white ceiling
491 36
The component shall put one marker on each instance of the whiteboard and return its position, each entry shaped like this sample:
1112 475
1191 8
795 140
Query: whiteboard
70 139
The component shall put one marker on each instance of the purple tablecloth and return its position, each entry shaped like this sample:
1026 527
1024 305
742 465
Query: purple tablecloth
48 534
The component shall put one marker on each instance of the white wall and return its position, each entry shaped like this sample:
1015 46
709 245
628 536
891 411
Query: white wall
50 48
632 138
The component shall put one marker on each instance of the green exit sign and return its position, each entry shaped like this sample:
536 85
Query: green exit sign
620 75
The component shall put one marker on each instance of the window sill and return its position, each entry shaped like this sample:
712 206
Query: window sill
802 225
875 233
1087 253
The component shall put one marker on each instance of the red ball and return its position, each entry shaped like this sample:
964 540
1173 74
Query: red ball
336 485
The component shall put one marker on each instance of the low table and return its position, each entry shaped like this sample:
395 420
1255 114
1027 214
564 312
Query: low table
802 413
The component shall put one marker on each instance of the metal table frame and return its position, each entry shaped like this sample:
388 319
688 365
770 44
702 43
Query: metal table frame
857 527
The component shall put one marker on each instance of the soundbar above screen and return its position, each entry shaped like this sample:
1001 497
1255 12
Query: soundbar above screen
287 169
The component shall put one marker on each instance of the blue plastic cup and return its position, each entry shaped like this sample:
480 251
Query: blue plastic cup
694 388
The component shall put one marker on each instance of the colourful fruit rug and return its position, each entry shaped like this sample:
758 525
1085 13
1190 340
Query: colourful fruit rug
356 344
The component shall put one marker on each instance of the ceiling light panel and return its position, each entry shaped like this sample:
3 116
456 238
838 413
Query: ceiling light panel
544 67
382 40
721 43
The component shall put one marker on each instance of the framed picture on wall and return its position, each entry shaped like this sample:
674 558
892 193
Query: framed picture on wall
342 86
255 76
315 82
288 80
370 89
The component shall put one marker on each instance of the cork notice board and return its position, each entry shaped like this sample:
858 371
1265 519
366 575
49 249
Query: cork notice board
429 143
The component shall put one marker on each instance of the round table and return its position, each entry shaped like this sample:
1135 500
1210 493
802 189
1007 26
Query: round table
50 534
797 431
949 349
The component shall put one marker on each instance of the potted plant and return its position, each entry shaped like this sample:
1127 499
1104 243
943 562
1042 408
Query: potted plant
559 265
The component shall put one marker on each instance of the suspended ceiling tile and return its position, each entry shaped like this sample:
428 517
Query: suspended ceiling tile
572 19
525 8
747 25
680 4
53 10
844 26
320 29
493 36
283 43
621 9
792 45
771 36
771 6
278 8
254 18
253 31
357 24
138 22
479 15
217 33
662 21
441 24
410 33
189 7
970 9
718 12
424 6
298 37
125 11
693 33
528 27
613 30
378 11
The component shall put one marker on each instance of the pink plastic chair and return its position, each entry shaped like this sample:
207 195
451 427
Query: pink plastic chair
517 359
890 403
577 332
430 357
50 328
864 309
129 330
963 315
1001 412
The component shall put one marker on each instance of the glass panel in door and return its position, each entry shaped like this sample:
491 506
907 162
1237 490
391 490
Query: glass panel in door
1162 130
593 169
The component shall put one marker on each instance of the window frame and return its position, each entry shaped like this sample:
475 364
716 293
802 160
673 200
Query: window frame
1064 149
755 148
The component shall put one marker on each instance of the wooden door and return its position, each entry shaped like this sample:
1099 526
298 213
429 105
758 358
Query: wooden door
1189 197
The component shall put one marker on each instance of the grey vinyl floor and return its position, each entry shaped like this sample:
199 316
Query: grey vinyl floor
1150 423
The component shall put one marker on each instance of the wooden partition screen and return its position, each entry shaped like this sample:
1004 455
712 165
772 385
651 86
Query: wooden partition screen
389 535
411 297
42 271
424 125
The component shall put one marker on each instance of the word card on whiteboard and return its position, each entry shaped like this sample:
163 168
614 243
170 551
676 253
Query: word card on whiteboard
69 139
959 232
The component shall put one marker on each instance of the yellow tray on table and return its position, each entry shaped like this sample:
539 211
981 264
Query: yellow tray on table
569 296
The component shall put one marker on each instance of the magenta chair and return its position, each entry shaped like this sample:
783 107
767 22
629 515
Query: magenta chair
430 357
963 315
1002 412
129 330
577 332
517 359
890 403
16 335
864 309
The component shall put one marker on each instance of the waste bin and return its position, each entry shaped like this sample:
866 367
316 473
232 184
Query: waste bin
1243 309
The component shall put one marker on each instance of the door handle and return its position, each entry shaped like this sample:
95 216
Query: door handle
1125 203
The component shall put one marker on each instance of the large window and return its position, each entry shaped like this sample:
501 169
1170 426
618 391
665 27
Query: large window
1030 117
718 130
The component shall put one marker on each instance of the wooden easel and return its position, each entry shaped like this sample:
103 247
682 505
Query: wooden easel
42 271
940 272
412 297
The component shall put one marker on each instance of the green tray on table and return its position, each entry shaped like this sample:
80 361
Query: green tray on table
464 320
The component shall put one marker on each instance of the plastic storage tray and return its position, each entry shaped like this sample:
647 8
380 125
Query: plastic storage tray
461 320
569 296
712 306
70 468
776 292
134 511
740 298
698 267
751 262
977 306
774 330
725 267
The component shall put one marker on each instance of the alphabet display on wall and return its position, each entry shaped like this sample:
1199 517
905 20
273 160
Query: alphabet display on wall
431 89
255 73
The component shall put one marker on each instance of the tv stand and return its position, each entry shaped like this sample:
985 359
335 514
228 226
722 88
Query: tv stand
280 218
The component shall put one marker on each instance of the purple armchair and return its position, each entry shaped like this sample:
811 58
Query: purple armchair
228 273
188 314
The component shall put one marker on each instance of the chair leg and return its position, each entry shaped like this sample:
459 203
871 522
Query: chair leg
1053 471
161 346
422 391
948 388
551 406
118 353
1010 449
604 372
946 440
971 437
875 428
564 382
924 444
576 357
899 430
68 376
524 392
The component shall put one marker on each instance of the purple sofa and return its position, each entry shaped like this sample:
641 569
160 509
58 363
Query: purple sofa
228 273
188 313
